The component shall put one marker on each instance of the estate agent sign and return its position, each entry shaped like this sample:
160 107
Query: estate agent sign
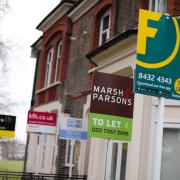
7 126
73 128
41 122
158 56
111 109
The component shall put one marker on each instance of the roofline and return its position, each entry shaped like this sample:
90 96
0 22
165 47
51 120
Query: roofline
81 8
70 2
36 42
111 42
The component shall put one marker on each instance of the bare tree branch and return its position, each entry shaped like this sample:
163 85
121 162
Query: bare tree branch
3 6
6 104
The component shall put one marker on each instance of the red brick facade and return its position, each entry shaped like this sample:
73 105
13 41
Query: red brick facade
144 4
74 66
60 31
174 7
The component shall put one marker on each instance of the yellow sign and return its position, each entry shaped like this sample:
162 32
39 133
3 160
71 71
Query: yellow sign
177 86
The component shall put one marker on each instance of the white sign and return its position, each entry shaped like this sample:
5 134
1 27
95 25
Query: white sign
73 128
41 122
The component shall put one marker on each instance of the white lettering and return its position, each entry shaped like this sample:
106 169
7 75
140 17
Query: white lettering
95 95
96 89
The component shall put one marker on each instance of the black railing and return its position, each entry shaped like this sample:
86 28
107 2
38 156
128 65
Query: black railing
32 176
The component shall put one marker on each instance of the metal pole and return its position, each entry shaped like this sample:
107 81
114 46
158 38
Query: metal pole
158 140
107 149
159 128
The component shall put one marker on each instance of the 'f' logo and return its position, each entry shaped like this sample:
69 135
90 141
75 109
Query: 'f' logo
145 32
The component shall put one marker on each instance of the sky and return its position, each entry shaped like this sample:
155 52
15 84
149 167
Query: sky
18 29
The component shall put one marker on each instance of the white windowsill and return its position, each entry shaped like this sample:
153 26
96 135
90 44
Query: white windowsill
69 165
50 86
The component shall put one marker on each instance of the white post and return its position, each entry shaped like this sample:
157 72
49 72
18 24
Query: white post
71 157
159 129
158 140
38 165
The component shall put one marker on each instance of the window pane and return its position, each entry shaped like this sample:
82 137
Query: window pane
104 27
159 5
162 6
106 22
48 67
152 8
114 161
170 155
58 58
47 73
104 37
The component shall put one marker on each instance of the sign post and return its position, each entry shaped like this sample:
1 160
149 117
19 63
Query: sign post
72 143
72 129
159 140
157 67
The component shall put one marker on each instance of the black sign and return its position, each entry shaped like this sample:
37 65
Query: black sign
112 95
7 122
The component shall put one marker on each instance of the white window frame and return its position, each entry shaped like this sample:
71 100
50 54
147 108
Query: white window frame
159 6
58 59
109 159
171 124
101 31
48 68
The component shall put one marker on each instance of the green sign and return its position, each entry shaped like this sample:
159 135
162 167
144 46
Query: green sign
158 57
111 107
110 127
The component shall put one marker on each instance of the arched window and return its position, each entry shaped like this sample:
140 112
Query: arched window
104 32
48 67
58 58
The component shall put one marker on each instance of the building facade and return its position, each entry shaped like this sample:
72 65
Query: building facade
51 53
80 37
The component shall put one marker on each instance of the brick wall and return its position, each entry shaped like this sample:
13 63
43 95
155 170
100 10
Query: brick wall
127 14
77 82
174 7
144 4
60 160
60 31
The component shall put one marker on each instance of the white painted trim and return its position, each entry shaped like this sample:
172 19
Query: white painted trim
172 125
59 13
109 159
81 9
45 88
122 56
48 67
101 31
58 60
119 161
168 102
